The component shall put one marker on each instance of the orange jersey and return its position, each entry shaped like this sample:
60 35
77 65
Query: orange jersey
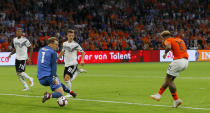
178 48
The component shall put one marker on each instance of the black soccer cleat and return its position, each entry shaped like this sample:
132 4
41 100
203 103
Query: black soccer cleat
46 97
73 94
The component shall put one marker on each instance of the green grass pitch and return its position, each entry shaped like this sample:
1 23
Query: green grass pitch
111 88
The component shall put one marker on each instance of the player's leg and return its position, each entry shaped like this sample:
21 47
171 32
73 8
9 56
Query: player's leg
58 93
74 75
78 71
21 78
178 66
19 70
68 75
164 85
161 91
25 74
67 89
70 92
57 88
172 88
81 70
67 81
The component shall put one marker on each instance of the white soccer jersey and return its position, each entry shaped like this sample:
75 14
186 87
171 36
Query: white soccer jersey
70 52
21 46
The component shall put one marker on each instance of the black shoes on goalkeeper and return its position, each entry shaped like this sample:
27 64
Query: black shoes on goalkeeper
46 97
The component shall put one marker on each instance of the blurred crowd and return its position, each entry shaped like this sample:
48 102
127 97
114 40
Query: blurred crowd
106 24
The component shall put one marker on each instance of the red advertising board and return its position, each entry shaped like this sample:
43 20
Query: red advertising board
114 56
151 56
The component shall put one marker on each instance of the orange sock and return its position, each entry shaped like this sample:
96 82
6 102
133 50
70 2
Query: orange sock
175 96
161 90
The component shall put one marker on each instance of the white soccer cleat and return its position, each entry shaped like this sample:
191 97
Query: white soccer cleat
82 70
31 82
177 103
68 96
156 97
25 89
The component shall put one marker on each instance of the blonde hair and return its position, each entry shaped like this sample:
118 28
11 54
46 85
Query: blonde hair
52 40
165 34
70 31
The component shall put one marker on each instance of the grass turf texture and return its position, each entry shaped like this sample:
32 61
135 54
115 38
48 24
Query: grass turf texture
112 88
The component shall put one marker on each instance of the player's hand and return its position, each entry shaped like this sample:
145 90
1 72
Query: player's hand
55 81
82 63
164 56
29 61
8 57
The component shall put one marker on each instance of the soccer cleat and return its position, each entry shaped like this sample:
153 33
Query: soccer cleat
177 103
73 94
31 82
46 97
156 97
25 89
81 70
68 96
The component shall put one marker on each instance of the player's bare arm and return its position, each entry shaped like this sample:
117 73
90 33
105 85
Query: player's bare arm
13 52
82 59
30 54
60 54
167 49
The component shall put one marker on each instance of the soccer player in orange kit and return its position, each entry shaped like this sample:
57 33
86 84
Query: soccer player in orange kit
179 63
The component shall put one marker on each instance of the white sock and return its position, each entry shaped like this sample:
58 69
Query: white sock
25 75
74 76
68 83
23 81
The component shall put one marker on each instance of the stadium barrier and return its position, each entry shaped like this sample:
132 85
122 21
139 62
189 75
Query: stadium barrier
113 56
4 61
119 56
203 55
194 55
169 57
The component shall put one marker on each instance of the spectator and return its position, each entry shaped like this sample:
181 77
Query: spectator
107 25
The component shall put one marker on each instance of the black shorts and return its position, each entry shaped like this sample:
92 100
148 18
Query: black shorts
20 65
70 70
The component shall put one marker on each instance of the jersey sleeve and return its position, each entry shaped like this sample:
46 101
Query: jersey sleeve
54 64
12 44
27 44
167 42
63 50
79 48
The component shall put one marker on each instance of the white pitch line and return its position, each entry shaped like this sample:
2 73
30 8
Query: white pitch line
151 77
124 76
104 101
21 95
140 104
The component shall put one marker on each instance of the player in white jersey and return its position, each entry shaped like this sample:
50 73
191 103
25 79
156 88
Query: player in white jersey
20 46
70 49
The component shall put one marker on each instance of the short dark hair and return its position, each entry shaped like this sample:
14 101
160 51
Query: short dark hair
52 40
70 31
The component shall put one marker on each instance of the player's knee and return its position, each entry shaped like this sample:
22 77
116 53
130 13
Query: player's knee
167 82
60 90
67 78
19 73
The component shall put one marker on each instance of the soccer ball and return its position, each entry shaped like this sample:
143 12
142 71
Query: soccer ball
62 101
